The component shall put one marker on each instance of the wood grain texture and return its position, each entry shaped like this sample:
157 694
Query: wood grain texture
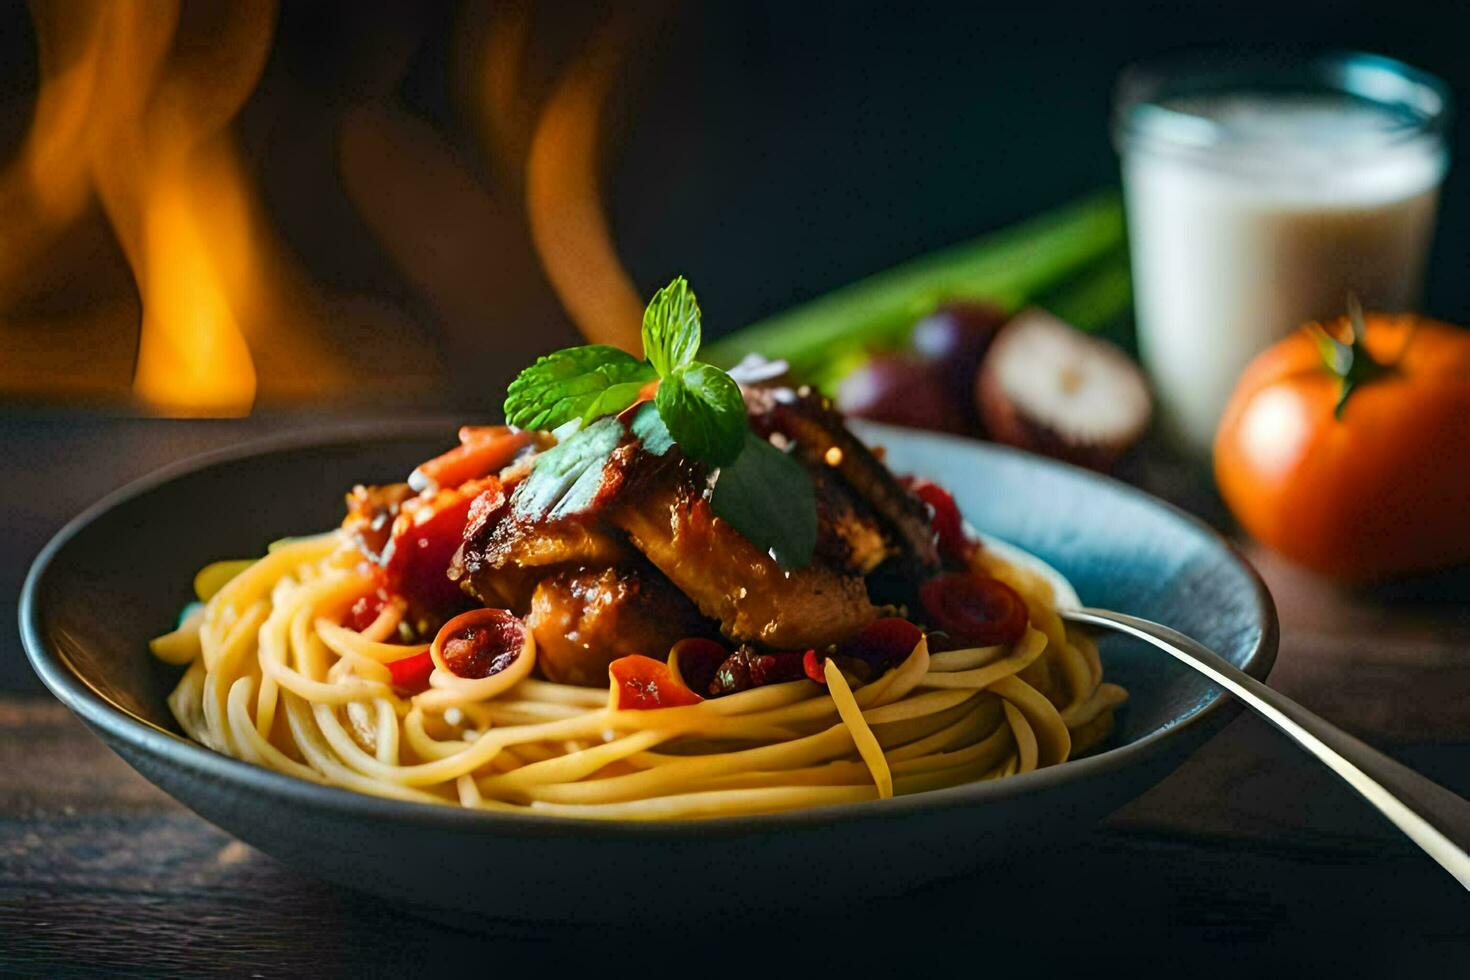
164 894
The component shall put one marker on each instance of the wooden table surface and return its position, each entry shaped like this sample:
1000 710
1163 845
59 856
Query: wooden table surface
1249 857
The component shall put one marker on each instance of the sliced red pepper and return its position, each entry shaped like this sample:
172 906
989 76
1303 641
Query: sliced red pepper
974 609
481 642
411 674
426 534
641 683
949 526
813 665
366 610
482 451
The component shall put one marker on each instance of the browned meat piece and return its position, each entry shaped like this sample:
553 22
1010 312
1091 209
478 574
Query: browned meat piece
585 619
501 561
634 502
667 516
370 513
508 550
848 534
808 421
536 544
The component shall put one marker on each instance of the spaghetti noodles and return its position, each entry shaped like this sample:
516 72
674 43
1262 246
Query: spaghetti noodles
274 677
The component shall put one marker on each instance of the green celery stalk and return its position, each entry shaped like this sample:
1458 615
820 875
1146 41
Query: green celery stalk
1096 299
1008 267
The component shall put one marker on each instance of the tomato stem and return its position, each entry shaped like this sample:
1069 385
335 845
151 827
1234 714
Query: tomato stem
1350 362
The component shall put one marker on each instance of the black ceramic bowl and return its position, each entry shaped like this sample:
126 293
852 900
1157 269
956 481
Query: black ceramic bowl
120 572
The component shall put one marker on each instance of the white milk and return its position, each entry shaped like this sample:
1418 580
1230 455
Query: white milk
1290 204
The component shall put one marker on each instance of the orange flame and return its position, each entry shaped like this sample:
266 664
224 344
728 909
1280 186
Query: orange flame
564 200
46 187
495 76
136 104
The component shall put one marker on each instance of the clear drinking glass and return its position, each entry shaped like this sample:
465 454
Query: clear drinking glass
1260 191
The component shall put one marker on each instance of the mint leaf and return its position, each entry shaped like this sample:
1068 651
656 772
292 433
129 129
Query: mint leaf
565 479
575 383
649 427
769 498
671 330
704 412
613 400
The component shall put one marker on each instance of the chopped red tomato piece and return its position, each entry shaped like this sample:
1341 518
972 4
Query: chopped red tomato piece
482 451
481 642
426 534
974 609
411 674
640 683
949 526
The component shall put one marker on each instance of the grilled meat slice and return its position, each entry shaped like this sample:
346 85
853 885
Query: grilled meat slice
501 566
584 619
666 513
807 421
522 543
505 553
848 534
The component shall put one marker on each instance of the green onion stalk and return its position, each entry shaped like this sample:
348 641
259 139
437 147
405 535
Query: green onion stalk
1072 260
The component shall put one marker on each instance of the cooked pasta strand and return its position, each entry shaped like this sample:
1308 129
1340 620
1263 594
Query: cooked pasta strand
274 677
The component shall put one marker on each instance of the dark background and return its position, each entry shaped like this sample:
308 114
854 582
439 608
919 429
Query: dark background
770 151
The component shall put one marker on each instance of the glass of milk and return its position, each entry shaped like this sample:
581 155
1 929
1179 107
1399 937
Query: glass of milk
1259 194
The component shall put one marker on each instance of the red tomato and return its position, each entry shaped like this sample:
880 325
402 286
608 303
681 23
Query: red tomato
945 518
481 642
426 534
1374 489
974 609
747 668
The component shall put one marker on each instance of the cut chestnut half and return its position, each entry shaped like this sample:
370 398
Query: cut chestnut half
1047 387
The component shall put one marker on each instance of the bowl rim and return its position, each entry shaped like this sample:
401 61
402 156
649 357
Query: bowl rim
172 749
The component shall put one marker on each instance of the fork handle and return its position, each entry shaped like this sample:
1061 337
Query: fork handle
1430 815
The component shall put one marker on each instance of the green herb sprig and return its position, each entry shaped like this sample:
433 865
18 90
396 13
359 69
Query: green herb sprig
760 490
